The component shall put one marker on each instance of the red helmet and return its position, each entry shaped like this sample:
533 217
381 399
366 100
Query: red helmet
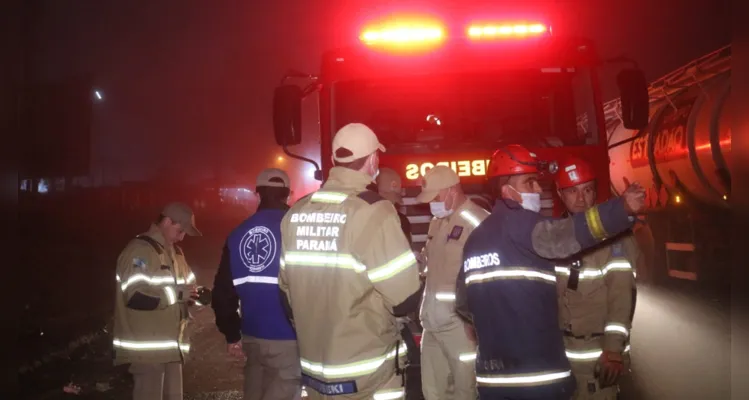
572 172
512 159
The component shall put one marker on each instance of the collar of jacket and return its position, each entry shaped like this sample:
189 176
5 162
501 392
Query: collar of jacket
505 205
457 211
347 178
272 206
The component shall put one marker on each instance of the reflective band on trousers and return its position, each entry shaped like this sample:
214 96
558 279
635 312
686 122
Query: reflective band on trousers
541 378
511 273
351 370
616 328
588 355
346 261
593 273
328 197
467 357
445 296
270 280
145 345
391 394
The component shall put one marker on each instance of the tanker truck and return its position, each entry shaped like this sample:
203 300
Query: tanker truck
682 158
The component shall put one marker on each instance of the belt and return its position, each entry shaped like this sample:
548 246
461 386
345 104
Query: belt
592 335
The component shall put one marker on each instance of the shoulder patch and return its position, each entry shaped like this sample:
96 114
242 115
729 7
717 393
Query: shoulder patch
138 262
617 250
455 233
370 197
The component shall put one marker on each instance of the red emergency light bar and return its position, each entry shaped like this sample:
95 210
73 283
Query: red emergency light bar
404 34
408 34
509 30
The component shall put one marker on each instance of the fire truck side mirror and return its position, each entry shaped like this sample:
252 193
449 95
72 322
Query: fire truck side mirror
287 115
633 88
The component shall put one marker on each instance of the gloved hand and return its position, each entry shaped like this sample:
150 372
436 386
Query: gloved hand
609 368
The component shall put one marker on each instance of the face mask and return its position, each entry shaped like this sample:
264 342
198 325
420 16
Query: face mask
530 201
438 209
376 174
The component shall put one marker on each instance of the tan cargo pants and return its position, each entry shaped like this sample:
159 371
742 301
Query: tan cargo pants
157 381
443 374
272 371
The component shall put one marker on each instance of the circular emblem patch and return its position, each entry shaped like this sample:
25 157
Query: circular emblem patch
257 249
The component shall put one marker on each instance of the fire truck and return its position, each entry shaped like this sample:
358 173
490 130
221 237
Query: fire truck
451 92
683 159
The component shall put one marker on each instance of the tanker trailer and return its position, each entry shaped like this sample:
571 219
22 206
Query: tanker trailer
682 158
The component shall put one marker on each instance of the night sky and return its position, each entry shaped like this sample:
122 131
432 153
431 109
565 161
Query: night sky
188 84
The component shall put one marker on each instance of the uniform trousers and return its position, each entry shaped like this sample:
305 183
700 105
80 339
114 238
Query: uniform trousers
272 371
448 360
157 381
584 372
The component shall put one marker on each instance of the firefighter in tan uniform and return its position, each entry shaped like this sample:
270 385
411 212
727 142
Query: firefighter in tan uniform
154 288
347 271
596 295
448 351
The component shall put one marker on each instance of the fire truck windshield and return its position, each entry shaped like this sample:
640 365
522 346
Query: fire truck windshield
538 108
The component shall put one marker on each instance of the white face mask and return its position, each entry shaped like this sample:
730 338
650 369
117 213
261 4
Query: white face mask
376 174
438 209
530 201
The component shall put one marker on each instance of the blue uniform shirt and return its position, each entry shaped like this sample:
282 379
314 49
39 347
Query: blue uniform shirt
507 286
254 254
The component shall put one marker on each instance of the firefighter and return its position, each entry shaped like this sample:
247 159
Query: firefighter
347 271
448 344
248 276
155 286
389 186
507 286
596 294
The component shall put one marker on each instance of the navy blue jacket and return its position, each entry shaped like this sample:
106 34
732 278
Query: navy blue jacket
248 275
507 287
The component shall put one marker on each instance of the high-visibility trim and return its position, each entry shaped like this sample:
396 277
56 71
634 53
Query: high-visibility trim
190 279
171 296
321 259
589 355
391 394
593 273
351 370
393 267
511 273
147 345
595 226
151 280
613 327
541 378
270 280
445 296
281 262
466 357
328 197
472 219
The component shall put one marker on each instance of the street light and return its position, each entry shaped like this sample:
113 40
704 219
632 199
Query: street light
279 158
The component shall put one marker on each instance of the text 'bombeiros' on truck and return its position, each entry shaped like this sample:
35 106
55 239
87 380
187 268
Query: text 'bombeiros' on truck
441 92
